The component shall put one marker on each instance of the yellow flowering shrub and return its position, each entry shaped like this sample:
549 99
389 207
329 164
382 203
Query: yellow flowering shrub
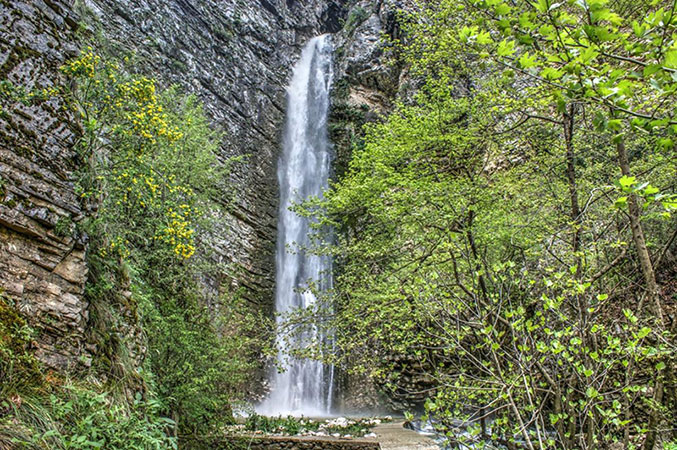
179 232
150 175
153 158
86 66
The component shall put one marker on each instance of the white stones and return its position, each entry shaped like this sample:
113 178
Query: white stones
341 422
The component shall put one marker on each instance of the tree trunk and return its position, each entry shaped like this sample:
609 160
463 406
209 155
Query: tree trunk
576 219
651 286
638 237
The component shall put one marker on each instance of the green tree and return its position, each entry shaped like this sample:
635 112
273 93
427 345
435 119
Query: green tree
493 235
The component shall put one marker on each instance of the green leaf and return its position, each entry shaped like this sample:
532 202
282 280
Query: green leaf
502 9
626 181
643 332
629 315
541 6
526 61
484 38
550 73
670 203
638 29
588 55
666 143
621 203
614 124
650 70
670 60
606 14
525 21
506 48
650 190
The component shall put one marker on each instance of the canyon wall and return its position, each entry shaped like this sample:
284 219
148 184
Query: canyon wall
42 258
236 56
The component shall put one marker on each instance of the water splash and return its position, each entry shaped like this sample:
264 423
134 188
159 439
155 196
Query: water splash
305 387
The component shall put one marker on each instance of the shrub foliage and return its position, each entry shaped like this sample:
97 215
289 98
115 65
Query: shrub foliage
507 239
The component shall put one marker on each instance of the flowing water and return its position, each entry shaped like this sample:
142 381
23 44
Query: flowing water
305 386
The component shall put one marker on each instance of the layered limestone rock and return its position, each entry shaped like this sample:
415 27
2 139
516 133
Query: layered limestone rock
236 57
42 265
370 77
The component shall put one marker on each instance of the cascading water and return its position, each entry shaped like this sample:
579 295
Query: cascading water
305 386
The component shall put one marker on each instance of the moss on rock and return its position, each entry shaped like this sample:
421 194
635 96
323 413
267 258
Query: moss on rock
18 366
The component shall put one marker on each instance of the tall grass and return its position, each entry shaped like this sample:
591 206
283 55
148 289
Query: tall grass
69 415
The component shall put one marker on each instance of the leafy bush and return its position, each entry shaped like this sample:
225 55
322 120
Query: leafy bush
506 239
154 180
355 18
299 425
19 370
288 425
74 416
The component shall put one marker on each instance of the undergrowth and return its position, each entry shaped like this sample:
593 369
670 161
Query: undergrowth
18 367
81 416
293 426
41 410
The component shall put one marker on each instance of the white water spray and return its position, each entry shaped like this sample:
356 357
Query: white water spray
305 387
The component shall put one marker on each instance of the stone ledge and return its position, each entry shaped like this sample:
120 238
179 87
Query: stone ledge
254 442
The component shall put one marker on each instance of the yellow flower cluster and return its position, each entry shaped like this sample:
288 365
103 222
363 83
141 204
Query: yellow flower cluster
181 190
145 113
142 188
45 94
178 232
86 65
134 109
120 176
134 99
150 182
118 246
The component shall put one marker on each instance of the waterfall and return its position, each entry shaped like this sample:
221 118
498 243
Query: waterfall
305 386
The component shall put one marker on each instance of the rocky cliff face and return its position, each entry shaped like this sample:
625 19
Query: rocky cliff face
42 263
369 76
236 56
